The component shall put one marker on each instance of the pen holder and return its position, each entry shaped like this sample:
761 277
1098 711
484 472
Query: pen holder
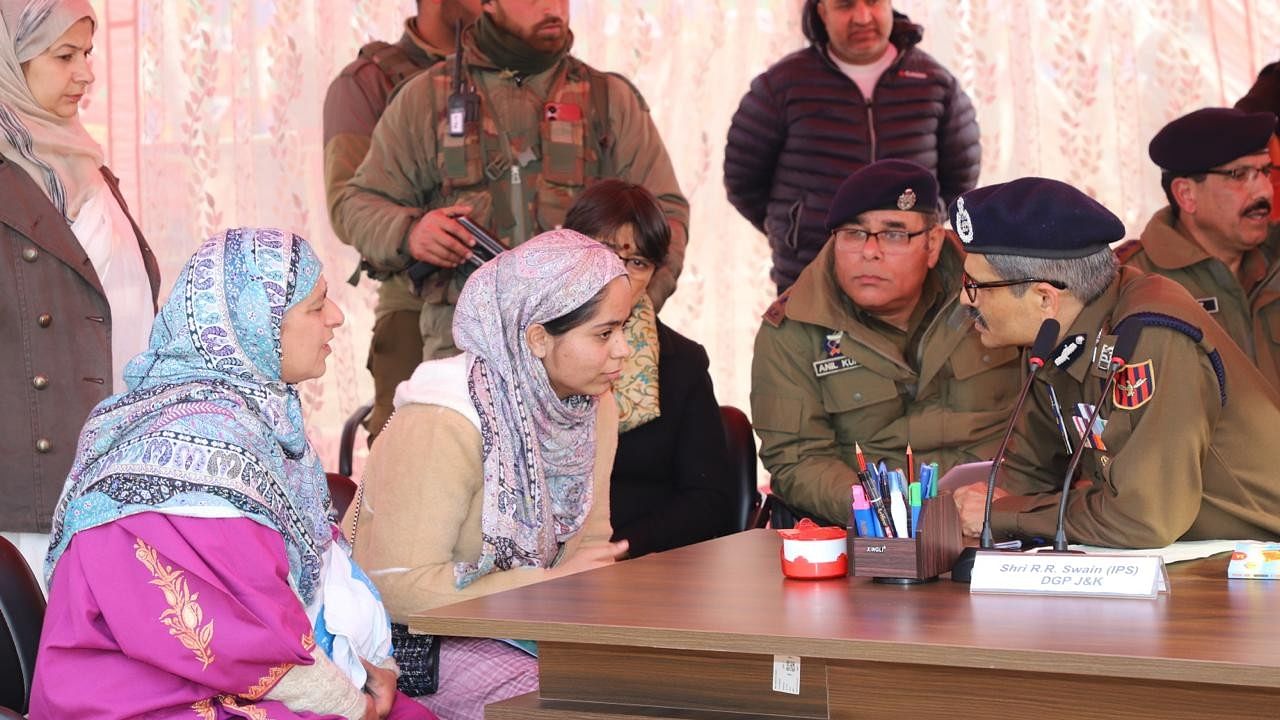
906 561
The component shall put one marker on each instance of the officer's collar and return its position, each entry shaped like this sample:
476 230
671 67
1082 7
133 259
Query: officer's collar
1093 322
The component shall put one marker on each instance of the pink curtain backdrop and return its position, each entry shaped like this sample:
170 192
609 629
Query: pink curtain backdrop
210 113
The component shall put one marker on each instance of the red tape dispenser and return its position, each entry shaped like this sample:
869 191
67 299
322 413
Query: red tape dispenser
812 552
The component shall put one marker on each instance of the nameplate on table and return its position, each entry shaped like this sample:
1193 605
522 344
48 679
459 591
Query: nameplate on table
1121 576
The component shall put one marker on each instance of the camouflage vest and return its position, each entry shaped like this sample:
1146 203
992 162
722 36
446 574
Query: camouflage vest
476 168
569 155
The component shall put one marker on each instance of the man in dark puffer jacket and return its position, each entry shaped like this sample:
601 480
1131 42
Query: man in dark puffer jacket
806 124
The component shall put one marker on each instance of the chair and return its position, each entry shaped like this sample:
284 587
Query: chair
22 608
346 446
342 490
742 465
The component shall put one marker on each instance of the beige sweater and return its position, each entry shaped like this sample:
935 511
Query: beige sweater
420 512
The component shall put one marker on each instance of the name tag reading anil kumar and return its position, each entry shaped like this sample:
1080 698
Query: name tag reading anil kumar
832 365
1122 576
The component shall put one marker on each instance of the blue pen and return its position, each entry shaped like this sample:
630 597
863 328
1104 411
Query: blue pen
926 480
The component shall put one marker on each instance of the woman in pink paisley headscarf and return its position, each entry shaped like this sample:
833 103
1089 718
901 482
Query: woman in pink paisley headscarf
494 470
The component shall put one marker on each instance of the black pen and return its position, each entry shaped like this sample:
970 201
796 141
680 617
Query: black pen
877 504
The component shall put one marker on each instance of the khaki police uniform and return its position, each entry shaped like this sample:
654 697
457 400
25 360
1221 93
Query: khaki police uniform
935 386
1246 306
1187 453
516 165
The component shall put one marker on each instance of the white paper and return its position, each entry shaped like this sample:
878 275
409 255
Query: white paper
1177 552
786 674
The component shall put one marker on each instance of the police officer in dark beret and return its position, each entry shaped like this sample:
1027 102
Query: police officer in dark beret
1215 237
871 345
1184 450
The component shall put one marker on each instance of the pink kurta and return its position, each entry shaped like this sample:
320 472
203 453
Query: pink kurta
173 617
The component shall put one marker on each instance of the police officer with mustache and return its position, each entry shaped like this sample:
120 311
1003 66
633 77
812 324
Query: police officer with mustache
1182 448
871 346
1214 238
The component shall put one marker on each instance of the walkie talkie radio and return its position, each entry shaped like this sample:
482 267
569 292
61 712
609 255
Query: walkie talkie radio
464 104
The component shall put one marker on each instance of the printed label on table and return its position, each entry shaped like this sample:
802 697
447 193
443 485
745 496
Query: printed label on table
1127 576
786 674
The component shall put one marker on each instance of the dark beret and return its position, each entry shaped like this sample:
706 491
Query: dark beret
884 185
1264 96
1034 217
1204 139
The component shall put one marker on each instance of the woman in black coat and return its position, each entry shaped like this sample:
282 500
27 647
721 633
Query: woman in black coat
671 484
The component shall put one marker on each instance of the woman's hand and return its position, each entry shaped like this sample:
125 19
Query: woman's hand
380 687
591 556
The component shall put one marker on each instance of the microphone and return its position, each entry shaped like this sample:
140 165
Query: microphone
1125 344
962 571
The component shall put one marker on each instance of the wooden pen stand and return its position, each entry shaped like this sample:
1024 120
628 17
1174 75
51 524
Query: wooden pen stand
922 558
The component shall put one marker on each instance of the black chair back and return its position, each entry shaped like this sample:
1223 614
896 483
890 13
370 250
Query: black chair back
22 607
742 466
346 445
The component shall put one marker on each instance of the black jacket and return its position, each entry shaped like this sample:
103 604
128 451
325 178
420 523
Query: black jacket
804 127
671 484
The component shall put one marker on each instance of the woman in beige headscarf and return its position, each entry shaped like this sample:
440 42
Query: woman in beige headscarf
78 283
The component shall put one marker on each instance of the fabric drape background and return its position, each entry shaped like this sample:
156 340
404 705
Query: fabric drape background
195 96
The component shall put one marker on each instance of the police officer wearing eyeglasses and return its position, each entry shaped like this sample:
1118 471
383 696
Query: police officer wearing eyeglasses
1214 238
1184 446
871 346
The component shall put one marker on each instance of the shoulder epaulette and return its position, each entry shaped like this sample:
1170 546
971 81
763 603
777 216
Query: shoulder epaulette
777 311
1126 251
1153 319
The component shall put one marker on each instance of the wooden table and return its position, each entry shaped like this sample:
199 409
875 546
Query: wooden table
691 634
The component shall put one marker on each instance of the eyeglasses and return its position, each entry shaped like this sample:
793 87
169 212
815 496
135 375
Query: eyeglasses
1244 173
891 241
971 286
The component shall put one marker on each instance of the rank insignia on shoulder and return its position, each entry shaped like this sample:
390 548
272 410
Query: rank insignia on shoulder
1135 386
1210 304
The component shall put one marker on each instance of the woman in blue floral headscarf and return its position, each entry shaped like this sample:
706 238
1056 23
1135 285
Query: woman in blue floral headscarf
494 471
193 566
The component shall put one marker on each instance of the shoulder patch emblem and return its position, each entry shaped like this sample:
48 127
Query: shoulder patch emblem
1135 386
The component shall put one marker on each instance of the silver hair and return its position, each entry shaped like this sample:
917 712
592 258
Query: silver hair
1086 278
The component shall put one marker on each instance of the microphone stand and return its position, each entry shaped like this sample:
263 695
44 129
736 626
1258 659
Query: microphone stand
962 570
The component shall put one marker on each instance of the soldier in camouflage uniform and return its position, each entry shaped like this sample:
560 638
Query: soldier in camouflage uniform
540 125
355 101
871 346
